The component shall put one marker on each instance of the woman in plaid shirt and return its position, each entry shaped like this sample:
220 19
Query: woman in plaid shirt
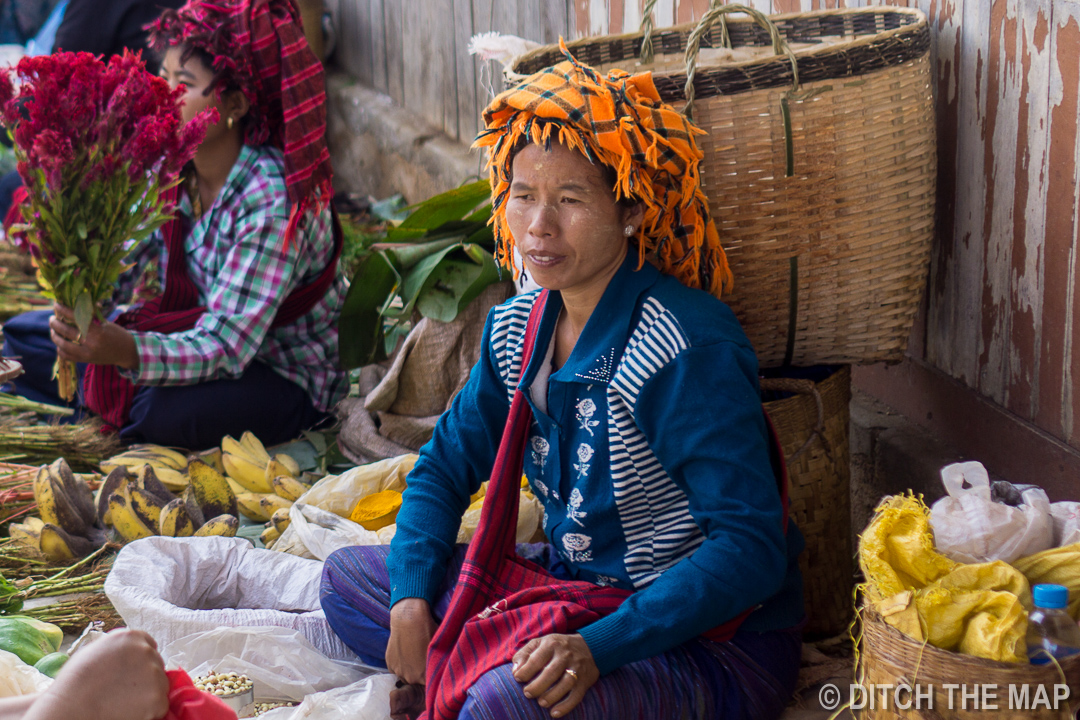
244 336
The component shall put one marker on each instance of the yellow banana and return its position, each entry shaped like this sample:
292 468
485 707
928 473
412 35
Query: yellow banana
275 467
289 462
237 488
54 504
60 546
116 479
255 447
232 446
25 535
78 493
174 520
213 459
173 480
125 521
247 473
280 519
134 462
272 503
225 525
251 507
148 479
289 488
147 506
269 535
172 458
213 494
192 506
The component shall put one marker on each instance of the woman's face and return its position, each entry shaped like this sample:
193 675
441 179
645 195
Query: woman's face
195 77
565 221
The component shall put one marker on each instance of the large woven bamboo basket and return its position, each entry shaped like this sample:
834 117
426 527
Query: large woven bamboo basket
823 195
890 657
812 426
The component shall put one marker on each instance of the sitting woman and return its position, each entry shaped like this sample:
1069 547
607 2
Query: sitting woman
670 588
244 335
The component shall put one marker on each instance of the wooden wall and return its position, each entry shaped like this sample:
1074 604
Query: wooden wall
1002 305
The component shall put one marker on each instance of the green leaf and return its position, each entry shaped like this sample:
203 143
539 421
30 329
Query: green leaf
456 283
84 312
360 327
392 209
452 205
81 229
405 258
69 261
420 277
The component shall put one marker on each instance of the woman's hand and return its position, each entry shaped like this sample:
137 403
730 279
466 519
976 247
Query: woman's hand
558 669
105 343
119 677
411 629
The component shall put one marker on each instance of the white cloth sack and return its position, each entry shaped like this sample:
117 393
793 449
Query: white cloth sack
281 663
1066 523
319 524
970 528
173 587
17 678
368 699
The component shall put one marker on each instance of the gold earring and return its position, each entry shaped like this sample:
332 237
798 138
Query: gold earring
230 122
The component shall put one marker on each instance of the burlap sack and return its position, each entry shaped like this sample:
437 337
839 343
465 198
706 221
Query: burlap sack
398 413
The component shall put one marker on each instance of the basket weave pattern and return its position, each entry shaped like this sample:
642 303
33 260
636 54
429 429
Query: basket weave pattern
830 262
890 657
819 500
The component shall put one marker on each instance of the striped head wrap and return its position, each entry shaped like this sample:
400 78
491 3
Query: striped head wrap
618 121
258 46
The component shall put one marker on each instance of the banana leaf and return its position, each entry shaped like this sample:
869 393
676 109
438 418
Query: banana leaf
436 261
436 211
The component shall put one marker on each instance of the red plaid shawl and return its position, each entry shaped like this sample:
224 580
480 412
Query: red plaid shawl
502 601
108 393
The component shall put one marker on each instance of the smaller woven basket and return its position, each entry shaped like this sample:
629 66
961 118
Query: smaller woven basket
813 430
890 657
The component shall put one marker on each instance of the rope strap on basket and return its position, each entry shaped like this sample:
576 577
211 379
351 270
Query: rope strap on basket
803 387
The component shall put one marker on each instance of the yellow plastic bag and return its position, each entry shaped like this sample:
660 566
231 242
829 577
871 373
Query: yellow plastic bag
896 551
1059 566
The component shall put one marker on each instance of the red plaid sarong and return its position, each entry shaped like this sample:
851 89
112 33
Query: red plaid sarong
501 601
109 394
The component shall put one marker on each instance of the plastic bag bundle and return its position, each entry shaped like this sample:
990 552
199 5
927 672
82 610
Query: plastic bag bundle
970 527
1066 517
1058 566
17 678
319 524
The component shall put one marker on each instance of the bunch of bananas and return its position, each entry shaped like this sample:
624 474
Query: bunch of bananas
67 528
265 486
140 505
169 465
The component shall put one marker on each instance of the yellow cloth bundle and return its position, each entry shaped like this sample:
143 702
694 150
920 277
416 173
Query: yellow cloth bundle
977 609
1059 566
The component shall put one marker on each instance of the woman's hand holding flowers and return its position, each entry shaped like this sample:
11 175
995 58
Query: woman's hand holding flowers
105 343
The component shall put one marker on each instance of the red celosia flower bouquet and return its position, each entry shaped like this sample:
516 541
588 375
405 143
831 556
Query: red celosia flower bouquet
97 145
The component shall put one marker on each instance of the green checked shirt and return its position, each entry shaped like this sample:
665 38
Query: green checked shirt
237 259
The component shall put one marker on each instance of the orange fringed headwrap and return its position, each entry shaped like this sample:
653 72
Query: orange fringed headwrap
621 122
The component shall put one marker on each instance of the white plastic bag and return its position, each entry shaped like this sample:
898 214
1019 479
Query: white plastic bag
173 587
17 678
1066 523
368 699
970 528
281 663
318 523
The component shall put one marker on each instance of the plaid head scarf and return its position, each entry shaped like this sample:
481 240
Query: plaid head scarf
259 47
618 121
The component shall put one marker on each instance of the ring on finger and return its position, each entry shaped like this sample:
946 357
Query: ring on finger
572 673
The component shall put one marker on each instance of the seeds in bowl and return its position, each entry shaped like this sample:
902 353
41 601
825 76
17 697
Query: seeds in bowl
265 707
223 684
